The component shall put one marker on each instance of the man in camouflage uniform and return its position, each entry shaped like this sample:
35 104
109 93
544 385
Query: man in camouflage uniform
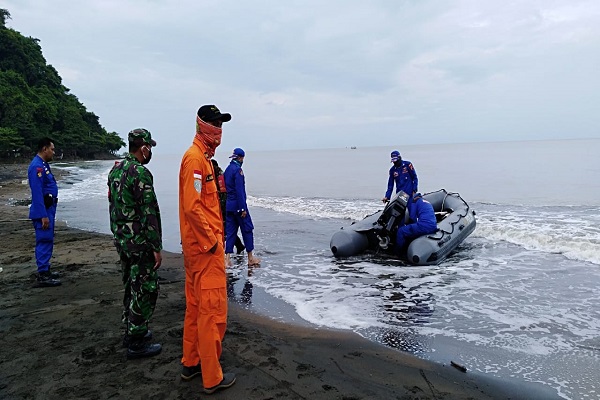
136 226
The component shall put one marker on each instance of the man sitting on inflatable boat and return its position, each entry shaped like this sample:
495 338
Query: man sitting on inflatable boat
421 222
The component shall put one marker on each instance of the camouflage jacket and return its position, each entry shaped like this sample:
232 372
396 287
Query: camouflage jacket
134 213
220 188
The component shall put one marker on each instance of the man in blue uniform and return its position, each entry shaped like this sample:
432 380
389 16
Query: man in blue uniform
220 181
44 197
403 174
237 214
421 222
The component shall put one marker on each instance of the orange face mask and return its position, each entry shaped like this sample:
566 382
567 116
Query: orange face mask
208 134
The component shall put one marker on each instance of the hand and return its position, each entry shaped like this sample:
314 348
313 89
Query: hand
243 214
157 259
45 223
214 248
385 200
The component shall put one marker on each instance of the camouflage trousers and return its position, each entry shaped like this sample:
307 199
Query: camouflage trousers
141 290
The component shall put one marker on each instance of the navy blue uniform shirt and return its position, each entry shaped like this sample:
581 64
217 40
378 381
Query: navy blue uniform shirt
405 178
42 183
236 187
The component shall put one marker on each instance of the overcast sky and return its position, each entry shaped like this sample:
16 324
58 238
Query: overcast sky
312 74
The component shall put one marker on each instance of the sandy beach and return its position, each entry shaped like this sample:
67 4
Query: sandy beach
65 342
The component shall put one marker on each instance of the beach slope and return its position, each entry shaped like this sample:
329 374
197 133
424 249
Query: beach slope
65 342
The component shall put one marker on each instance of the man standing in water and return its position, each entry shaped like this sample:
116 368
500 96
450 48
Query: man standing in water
237 215
44 197
201 227
239 246
136 226
403 174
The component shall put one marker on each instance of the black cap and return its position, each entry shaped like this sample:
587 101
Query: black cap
211 113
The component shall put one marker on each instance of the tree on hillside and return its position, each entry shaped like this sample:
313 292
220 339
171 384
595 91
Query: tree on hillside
4 15
34 103
10 143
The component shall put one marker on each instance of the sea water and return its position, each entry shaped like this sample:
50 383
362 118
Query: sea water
519 298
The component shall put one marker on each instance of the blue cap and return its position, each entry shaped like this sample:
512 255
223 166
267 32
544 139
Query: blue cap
237 152
395 155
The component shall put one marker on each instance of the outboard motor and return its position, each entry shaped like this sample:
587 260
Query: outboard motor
391 215
372 232
394 209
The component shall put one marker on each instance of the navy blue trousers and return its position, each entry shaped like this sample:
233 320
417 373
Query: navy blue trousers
233 222
44 241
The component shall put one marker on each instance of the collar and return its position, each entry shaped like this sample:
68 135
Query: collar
41 159
202 146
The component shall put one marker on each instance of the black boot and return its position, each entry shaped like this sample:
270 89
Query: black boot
53 274
140 349
227 381
127 338
44 279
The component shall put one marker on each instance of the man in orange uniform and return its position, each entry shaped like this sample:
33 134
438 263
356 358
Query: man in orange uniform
201 226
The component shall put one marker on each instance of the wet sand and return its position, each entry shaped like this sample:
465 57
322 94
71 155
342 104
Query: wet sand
65 342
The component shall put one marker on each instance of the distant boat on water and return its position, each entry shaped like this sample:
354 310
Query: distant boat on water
353 147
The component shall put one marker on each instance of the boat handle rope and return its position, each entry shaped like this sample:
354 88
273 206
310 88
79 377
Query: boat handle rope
460 216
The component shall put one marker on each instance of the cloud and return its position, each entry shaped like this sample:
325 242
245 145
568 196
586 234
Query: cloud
303 74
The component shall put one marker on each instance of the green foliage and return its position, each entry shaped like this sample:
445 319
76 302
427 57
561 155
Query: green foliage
34 103
4 15
10 143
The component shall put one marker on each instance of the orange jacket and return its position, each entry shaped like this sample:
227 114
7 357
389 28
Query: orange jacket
200 220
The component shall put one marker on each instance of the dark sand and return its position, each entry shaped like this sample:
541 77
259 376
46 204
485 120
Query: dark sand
65 342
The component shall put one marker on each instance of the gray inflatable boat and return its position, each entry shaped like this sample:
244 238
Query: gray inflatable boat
377 232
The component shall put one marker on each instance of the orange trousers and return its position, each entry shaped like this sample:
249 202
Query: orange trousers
205 314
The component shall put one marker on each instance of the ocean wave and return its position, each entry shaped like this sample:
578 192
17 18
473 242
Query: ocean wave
573 232
84 181
315 208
